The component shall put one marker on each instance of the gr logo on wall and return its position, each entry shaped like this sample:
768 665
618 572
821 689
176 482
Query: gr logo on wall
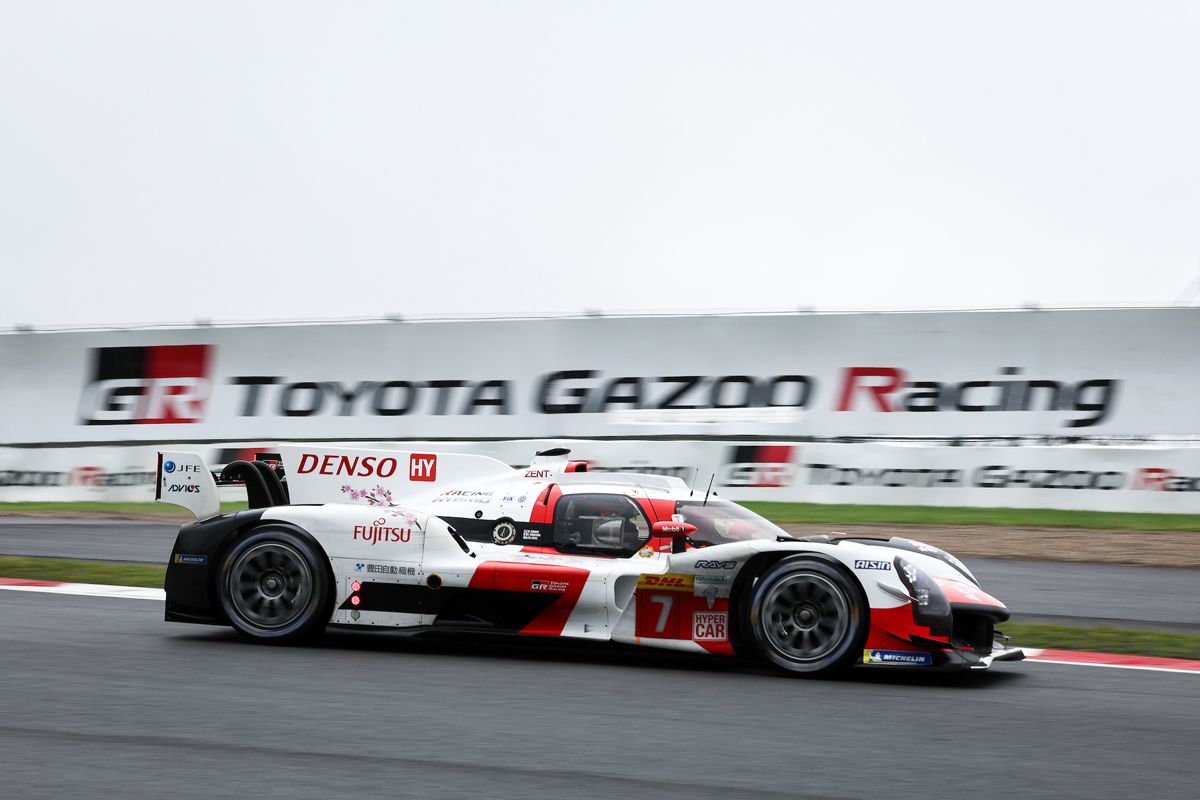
165 384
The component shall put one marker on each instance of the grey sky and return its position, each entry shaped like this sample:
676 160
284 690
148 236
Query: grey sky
169 161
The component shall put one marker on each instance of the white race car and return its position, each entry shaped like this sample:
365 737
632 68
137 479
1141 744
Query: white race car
421 541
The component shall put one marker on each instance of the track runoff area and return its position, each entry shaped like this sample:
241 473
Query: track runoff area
1048 656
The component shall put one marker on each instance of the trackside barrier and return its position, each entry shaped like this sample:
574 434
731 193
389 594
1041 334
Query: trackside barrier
1137 479
1086 373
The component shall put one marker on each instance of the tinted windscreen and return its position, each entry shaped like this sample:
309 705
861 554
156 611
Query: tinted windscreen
720 521
600 521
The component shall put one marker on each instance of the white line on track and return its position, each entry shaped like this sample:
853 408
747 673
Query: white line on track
92 590
1112 666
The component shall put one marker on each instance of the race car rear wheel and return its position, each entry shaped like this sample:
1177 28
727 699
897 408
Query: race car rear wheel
274 585
807 616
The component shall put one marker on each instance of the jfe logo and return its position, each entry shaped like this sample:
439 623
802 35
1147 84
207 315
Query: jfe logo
422 467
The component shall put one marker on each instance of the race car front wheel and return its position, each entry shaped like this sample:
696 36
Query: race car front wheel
807 616
274 585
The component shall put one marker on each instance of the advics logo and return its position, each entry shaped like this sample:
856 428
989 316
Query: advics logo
166 384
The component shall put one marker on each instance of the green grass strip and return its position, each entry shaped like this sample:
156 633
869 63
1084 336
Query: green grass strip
784 513
61 569
1121 641
111 508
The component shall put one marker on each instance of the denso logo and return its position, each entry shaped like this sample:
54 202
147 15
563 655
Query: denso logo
350 466
147 385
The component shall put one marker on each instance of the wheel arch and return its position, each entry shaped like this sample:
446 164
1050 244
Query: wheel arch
743 585
257 526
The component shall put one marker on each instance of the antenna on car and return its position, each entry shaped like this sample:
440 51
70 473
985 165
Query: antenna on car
707 493
695 474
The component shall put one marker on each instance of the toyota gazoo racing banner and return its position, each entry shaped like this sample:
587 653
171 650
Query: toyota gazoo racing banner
1061 373
1139 479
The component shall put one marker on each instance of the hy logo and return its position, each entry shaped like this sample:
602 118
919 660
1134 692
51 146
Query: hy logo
422 467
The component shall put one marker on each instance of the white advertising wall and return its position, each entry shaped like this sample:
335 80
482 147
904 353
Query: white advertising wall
1142 479
1056 373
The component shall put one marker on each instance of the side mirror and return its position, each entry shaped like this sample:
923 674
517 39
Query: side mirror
676 531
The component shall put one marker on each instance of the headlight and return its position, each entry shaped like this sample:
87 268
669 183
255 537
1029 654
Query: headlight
935 552
930 606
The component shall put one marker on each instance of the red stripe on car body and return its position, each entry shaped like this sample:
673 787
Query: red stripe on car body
507 577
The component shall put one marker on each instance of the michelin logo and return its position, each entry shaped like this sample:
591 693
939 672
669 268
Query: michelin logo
897 657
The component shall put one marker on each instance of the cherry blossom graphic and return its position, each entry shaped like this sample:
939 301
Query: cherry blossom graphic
380 496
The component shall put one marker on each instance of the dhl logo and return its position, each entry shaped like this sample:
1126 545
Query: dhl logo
668 582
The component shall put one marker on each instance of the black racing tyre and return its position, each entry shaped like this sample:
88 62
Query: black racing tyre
808 616
274 585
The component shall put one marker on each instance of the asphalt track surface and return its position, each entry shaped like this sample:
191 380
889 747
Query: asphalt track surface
1035 591
101 698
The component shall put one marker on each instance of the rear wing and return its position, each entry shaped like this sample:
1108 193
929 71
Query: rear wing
184 480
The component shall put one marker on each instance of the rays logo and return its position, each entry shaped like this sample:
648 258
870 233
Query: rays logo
166 384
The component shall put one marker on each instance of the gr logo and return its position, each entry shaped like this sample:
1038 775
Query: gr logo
167 384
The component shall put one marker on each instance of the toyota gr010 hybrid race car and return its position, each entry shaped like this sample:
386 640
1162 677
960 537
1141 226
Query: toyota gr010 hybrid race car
424 541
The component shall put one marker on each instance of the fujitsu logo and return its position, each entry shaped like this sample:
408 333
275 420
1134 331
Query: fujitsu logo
167 384
381 533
